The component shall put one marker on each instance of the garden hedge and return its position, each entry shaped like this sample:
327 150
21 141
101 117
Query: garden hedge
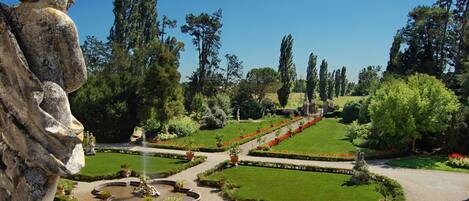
87 178
392 187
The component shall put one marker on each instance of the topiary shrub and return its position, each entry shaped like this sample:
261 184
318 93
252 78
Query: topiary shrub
251 109
182 126
351 111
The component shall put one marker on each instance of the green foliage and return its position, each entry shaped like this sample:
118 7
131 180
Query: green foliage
222 101
330 86
323 81
260 81
357 133
364 113
182 126
312 77
234 71
343 81
351 111
286 69
368 81
337 83
406 110
214 118
198 106
251 109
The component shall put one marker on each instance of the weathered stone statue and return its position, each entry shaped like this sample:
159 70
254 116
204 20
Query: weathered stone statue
360 169
306 106
90 144
40 62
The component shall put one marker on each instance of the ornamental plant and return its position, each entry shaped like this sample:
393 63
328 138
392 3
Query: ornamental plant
458 160
219 139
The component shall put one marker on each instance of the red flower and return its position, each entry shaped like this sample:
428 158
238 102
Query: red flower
455 156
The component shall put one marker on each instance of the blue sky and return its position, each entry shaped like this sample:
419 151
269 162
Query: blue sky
347 33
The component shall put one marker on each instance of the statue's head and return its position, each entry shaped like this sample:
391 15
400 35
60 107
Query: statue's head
62 5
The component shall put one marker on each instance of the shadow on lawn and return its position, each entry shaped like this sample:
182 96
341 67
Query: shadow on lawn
419 162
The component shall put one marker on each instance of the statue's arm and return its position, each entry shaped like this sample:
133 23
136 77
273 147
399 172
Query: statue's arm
73 64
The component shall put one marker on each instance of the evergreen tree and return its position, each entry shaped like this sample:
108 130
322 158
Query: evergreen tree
206 32
286 69
312 77
395 55
330 85
343 82
337 84
323 81
96 54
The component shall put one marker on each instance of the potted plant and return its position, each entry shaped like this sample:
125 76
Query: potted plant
179 186
219 139
104 195
125 171
189 148
234 154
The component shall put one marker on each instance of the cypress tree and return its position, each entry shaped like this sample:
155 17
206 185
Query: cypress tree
337 83
343 82
286 69
323 81
330 85
311 77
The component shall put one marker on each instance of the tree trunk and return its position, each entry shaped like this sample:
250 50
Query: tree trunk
413 144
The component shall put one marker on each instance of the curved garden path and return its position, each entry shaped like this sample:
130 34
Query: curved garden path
419 185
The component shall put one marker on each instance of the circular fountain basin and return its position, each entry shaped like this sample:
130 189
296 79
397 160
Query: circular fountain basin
125 191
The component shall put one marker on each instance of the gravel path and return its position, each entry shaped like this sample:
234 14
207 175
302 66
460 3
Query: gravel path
419 185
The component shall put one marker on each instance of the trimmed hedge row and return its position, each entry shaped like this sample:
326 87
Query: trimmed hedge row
265 131
87 178
393 189
325 157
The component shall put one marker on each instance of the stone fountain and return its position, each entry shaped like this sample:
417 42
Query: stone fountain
144 189
40 63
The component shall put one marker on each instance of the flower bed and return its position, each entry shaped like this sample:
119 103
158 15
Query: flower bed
289 134
88 178
391 188
458 160
239 140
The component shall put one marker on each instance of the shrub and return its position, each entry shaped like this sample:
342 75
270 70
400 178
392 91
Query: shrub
356 131
268 106
364 114
214 118
251 109
198 106
350 112
458 160
182 126
166 136
151 126
223 102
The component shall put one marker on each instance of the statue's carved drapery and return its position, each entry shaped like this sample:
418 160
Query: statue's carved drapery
40 62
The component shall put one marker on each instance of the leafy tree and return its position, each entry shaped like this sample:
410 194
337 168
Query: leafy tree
368 80
395 55
260 81
234 70
337 82
425 102
312 77
323 80
166 23
199 105
206 32
300 86
286 69
351 111
343 81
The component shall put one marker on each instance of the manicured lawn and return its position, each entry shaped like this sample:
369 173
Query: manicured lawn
296 100
325 137
234 129
425 162
279 184
109 163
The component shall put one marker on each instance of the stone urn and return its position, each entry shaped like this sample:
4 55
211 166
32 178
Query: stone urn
234 160
190 155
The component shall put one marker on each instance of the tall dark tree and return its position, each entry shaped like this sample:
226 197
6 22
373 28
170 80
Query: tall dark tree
337 83
205 30
330 85
286 69
395 55
343 81
368 80
166 23
312 81
261 81
233 71
461 33
323 81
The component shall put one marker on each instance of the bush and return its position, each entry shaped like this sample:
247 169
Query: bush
356 131
182 126
214 118
223 102
251 109
151 126
198 106
364 114
268 106
350 112
166 136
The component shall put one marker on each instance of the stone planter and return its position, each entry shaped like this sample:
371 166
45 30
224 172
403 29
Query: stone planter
190 155
234 160
125 173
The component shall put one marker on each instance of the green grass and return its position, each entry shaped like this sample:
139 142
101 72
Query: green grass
296 100
325 137
109 163
435 162
234 129
293 185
